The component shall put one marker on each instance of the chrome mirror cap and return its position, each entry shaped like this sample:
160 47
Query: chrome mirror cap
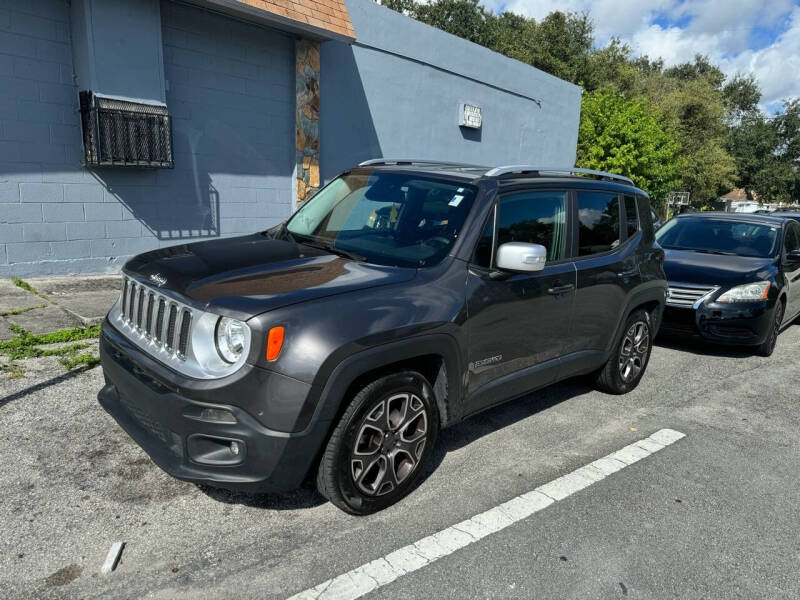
519 256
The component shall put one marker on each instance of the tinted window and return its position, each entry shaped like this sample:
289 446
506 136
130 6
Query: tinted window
631 217
534 218
387 218
598 218
719 236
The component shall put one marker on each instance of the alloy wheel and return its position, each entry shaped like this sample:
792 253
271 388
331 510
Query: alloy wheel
389 444
633 351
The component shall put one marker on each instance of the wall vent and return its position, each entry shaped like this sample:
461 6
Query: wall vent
119 133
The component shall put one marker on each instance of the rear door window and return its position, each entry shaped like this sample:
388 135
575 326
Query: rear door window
598 222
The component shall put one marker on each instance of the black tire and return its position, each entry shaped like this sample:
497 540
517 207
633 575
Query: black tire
376 455
627 364
768 346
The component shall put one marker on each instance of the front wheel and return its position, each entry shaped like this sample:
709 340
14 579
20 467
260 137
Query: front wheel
379 447
626 366
768 346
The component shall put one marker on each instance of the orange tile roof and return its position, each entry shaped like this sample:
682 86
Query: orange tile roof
738 194
330 15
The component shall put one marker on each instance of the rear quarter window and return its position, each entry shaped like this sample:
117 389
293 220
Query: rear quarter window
645 218
631 216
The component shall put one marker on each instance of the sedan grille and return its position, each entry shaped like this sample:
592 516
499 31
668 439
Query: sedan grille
685 295
156 317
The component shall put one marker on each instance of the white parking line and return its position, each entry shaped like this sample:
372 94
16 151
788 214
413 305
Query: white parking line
380 572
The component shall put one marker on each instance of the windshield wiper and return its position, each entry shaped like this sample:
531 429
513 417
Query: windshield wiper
333 250
720 252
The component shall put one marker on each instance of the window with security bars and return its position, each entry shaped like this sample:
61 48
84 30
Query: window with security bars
119 133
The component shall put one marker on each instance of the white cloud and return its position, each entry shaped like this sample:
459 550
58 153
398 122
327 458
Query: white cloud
721 29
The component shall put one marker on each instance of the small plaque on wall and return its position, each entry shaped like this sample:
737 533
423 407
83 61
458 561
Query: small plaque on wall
470 116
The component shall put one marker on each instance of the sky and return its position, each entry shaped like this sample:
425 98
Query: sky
761 37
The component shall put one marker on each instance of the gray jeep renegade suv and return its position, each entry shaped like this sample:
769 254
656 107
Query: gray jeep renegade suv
402 298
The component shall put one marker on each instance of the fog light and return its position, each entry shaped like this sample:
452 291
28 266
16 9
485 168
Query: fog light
235 448
215 414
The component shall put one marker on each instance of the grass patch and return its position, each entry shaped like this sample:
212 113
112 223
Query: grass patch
84 359
27 345
14 371
29 288
19 311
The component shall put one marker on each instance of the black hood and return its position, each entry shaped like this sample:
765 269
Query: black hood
245 276
683 266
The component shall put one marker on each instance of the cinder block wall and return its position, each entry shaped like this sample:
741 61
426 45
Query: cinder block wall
230 89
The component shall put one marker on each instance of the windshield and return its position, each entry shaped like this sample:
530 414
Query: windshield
719 236
386 218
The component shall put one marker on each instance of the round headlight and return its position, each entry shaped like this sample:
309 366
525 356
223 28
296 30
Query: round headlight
231 339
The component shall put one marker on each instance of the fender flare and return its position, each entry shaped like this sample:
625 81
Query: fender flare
330 391
656 292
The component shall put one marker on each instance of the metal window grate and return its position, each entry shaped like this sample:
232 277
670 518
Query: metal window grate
125 134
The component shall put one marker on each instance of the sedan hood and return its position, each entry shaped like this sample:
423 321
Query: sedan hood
682 266
245 276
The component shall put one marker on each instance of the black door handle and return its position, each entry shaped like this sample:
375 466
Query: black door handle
561 289
632 273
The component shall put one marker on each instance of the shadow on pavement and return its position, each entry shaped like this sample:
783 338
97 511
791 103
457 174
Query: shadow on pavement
305 497
501 416
701 347
45 384
450 439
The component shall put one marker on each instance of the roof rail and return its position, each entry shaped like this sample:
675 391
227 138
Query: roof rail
376 162
497 171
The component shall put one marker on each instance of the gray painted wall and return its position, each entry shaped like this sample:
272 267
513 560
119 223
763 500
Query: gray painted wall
131 66
230 89
229 86
395 93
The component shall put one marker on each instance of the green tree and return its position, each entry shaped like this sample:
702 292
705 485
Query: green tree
741 96
465 18
559 44
767 153
694 109
629 136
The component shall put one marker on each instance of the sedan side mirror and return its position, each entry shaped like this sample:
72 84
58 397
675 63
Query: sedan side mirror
792 257
519 256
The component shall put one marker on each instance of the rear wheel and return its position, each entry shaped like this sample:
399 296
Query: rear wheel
626 366
379 447
768 346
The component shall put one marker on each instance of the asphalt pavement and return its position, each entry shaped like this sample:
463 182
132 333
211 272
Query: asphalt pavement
714 515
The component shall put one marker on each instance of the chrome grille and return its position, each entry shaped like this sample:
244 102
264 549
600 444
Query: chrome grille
154 316
686 295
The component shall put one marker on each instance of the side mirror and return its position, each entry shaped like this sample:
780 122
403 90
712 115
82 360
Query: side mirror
518 256
792 257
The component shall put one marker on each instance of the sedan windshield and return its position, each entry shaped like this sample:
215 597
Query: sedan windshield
386 218
719 236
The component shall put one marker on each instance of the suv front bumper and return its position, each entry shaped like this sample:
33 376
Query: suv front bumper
161 415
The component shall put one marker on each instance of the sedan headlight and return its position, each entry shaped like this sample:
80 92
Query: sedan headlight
231 339
750 292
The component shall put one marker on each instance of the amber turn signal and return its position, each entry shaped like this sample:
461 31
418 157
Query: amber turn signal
274 343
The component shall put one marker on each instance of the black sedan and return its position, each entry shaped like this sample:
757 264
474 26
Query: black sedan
733 278
787 214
